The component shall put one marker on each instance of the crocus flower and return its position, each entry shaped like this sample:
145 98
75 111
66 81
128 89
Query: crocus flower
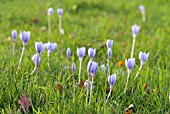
135 29
50 11
88 66
68 53
40 47
103 68
73 67
14 35
109 53
36 59
60 11
93 68
142 8
81 52
51 47
130 63
25 36
91 52
109 43
143 57
112 80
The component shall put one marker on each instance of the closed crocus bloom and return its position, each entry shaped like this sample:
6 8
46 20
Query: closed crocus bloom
109 43
103 68
135 29
143 57
14 35
91 52
130 63
81 52
25 36
109 53
112 80
142 8
60 11
40 47
73 67
36 59
93 68
88 66
50 11
51 47
68 53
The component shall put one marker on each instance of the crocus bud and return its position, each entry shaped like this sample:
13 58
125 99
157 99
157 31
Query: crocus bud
60 11
40 47
130 63
112 80
109 43
143 57
135 29
88 66
25 36
103 68
109 53
68 53
93 68
81 52
142 8
14 35
73 67
51 47
36 59
91 52
50 11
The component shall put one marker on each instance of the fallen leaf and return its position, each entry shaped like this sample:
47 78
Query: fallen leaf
24 102
120 63
128 112
81 84
59 87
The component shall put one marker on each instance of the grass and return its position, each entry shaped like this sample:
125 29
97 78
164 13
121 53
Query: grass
86 23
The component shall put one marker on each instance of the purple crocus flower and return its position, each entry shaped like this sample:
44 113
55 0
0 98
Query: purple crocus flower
93 69
68 53
103 68
109 43
89 66
91 52
112 80
14 35
109 53
73 67
143 57
50 11
142 8
40 47
36 59
130 63
135 29
60 11
81 52
51 47
25 36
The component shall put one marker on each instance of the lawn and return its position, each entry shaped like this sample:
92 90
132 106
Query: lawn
86 23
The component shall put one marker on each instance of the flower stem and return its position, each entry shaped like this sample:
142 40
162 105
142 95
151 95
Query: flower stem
109 94
80 70
108 67
138 71
49 25
133 47
73 88
68 67
36 70
13 48
91 90
33 70
60 23
87 93
127 81
49 61
23 48
143 16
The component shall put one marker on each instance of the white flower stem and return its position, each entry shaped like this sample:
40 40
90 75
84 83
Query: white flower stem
127 81
23 48
87 93
80 70
108 67
33 70
73 88
68 67
138 71
91 89
143 16
109 94
133 47
49 61
13 48
49 25
36 70
60 23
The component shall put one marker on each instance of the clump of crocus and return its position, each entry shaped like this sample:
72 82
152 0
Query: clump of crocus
60 13
36 59
49 12
81 53
129 65
25 36
68 53
40 47
91 53
143 58
142 9
112 81
135 30
50 47
14 37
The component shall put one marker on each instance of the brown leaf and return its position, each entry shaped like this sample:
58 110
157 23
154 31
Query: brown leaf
24 102
81 84
128 112
120 63
59 87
